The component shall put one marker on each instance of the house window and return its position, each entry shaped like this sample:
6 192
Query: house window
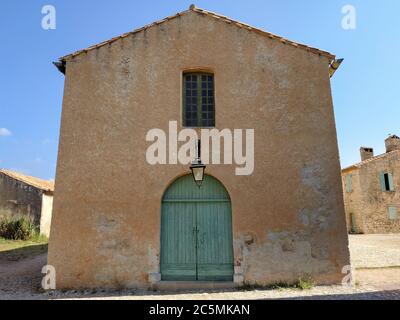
198 100
392 213
348 183
386 181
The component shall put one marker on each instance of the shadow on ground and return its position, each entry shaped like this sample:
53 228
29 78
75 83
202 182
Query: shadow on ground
375 295
194 295
23 252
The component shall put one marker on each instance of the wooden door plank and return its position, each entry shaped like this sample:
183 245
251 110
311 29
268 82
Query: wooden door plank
178 253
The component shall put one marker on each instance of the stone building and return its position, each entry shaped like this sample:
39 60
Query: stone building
372 200
22 195
122 219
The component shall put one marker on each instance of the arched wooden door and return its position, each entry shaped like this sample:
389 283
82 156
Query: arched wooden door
196 231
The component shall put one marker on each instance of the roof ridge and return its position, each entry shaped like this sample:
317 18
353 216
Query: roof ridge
193 8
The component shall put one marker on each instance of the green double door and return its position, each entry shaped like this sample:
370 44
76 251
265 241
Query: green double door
196 232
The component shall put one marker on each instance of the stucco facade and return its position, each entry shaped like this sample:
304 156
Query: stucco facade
288 216
22 195
372 204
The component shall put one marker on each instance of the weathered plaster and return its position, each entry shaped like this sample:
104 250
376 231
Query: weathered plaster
19 199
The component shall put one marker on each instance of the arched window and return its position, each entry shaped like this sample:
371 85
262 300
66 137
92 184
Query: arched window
198 99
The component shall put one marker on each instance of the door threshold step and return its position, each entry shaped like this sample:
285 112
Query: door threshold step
193 285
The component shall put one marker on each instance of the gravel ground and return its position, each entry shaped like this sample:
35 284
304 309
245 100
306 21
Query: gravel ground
376 258
375 250
317 293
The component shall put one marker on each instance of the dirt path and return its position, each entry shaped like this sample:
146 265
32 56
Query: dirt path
380 278
21 279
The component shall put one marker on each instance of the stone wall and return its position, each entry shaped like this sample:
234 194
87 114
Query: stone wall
19 199
367 201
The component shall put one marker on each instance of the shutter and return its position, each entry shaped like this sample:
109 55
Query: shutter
354 228
349 186
391 184
382 179
392 213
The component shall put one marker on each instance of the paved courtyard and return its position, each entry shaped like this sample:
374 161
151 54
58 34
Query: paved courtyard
375 257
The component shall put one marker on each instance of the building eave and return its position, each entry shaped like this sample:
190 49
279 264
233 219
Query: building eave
61 66
348 169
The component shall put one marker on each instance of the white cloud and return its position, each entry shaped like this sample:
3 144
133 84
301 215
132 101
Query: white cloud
5 132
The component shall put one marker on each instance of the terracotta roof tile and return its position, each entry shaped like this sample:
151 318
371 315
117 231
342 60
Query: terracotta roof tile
44 185
210 14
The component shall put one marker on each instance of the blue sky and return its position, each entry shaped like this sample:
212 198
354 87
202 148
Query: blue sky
365 89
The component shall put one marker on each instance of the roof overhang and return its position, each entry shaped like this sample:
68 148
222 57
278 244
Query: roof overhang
61 66
334 66
349 169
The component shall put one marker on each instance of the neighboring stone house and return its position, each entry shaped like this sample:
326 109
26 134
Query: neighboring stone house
120 220
22 195
371 190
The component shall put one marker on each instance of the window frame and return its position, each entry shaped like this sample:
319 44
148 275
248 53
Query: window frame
199 74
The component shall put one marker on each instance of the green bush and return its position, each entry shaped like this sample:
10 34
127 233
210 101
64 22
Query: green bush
305 284
18 228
